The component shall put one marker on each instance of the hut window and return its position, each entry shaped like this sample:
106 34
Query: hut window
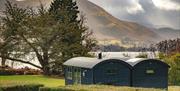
69 73
150 71
77 75
112 71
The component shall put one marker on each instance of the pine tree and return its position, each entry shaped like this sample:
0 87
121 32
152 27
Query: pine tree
64 9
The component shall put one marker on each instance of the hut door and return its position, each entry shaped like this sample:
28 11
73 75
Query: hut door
77 76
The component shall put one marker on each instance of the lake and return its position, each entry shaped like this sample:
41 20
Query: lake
104 55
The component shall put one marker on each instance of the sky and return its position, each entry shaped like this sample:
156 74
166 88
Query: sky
151 13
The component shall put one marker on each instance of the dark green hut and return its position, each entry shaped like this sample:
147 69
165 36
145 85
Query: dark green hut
151 73
83 70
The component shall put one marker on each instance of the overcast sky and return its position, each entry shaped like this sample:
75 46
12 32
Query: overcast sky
154 13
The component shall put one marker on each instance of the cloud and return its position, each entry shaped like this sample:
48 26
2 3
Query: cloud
151 13
135 7
167 4
130 6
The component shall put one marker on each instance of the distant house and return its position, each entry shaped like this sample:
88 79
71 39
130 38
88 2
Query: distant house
83 70
137 72
150 73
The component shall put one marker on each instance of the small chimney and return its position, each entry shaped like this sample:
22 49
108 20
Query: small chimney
100 55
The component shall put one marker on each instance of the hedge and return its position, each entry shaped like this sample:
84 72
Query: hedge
7 72
54 89
58 89
32 87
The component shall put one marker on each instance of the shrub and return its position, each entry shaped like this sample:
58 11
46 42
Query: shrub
142 56
55 89
32 87
23 71
161 56
174 72
6 72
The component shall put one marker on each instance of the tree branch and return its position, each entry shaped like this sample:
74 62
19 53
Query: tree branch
35 50
21 61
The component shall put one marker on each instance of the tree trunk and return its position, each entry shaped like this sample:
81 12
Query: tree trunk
12 64
3 61
45 66
46 70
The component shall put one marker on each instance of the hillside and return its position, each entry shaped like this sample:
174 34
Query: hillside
168 33
107 27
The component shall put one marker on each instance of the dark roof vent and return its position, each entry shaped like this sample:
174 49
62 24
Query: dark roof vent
100 55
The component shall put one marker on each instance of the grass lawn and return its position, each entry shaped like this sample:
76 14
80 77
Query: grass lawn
29 79
55 82
174 88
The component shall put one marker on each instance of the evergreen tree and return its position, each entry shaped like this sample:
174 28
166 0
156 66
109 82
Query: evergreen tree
67 11
75 40
64 10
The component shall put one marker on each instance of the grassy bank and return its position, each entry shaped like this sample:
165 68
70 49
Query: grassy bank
107 88
55 83
29 79
174 88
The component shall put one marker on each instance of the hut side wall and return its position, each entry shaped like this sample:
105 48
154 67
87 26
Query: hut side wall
158 79
86 76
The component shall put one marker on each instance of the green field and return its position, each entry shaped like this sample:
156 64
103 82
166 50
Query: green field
28 79
55 82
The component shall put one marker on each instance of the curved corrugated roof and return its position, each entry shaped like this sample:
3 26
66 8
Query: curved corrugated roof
135 61
86 62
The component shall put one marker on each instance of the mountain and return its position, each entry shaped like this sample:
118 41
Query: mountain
105 26
168 33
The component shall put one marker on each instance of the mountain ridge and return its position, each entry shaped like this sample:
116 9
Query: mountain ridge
168 33
130 30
